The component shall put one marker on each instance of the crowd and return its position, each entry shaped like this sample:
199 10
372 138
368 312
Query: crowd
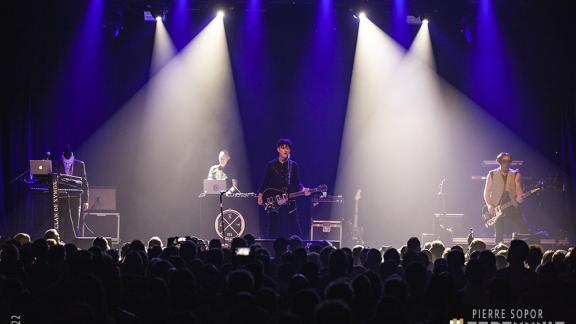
188 280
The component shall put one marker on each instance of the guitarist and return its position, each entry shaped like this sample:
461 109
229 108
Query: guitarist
282 172
503 185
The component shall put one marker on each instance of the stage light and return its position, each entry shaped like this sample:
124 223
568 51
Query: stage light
148 16
220 13
415 20
362 15
425 21
155 14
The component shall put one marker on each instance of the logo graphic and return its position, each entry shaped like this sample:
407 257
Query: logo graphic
457 321
234 224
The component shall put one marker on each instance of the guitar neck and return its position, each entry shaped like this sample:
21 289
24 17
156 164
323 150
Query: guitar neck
526 195
301 193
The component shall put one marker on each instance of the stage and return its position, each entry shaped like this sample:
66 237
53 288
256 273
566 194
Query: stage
288 161
408 105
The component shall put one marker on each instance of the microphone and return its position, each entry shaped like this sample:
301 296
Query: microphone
48 155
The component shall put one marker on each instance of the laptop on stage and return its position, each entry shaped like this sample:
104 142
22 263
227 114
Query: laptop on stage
214 186
39 167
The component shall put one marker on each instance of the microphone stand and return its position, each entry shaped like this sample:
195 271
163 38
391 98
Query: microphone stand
442 195
20 176
222 217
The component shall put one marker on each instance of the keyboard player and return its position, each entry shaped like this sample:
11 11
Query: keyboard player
69 165
219 172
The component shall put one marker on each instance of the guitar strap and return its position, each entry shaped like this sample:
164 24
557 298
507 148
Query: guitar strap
292 204
289 171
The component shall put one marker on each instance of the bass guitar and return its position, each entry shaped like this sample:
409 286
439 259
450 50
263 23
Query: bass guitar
490 218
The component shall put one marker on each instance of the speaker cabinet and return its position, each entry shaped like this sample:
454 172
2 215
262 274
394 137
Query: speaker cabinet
102 199
326 230
102 224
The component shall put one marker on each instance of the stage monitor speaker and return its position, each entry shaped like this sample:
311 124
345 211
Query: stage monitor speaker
85 243
444 235
268 244
450 222
529 238
102 198
428 237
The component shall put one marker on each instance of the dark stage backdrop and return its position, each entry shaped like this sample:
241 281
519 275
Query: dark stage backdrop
64 86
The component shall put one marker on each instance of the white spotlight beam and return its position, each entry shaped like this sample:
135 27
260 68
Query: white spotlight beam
421 47
168 135
406 130
377 57
163 50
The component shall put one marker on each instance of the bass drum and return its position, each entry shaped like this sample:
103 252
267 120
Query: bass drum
234 224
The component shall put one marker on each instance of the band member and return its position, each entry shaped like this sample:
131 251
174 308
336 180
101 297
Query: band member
217 172
503 185
282 172
68 164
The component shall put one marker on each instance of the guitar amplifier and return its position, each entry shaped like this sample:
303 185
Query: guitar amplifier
326 208
102 198
330 231
529 238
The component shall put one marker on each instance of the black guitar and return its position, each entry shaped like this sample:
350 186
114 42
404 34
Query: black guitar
274 198
491 218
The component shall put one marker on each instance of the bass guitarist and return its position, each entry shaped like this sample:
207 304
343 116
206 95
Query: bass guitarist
282 172
504 185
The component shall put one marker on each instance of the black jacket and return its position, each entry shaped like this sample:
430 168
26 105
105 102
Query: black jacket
276 176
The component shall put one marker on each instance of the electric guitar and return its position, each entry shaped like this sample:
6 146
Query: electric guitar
274 198
491 218
357 231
